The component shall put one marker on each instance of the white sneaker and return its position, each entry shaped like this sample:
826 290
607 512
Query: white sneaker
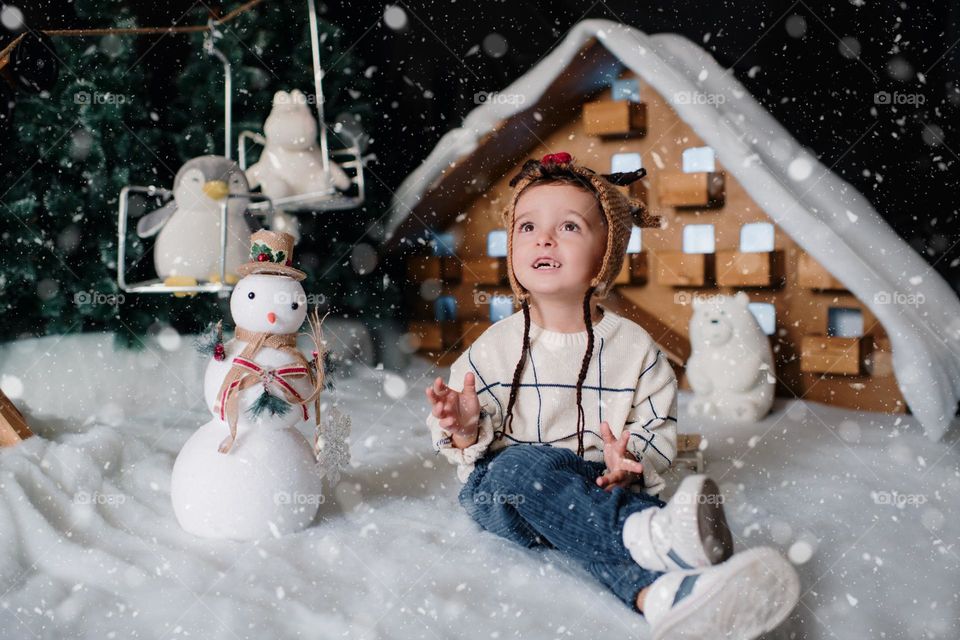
746 596
689 533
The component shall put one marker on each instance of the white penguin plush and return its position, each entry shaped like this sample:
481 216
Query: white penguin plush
265 480
187 250
291 163
731 364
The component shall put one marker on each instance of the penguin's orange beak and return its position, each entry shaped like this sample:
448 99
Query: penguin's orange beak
271 317
216 189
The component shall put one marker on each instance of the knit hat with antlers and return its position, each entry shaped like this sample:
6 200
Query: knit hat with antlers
619 211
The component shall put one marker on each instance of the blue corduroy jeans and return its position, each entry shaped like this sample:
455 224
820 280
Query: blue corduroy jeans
539 495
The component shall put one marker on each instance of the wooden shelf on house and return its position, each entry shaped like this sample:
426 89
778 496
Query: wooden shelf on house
13 426
615 118
634 270
831 355
880 361
446 269
427 334
738 269
678 269
434 336
443 342
473 329
812 275
688 452
623 276
489 271
679 189
639 268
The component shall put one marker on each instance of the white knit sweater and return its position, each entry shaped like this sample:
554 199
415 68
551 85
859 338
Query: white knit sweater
629 383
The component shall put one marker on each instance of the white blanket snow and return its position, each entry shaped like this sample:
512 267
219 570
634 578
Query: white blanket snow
864 504
824 214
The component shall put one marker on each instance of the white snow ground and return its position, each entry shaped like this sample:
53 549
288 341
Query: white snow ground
90 547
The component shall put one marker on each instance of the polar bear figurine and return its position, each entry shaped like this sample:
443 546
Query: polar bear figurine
731 364
291 163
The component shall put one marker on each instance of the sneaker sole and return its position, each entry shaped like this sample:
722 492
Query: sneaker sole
712 521
759 592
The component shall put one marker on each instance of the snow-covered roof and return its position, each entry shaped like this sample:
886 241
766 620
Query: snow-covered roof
823 214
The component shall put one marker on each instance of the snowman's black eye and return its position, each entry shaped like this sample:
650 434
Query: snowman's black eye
251 295
295 306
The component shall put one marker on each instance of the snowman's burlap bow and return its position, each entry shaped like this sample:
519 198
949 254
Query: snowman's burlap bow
245 372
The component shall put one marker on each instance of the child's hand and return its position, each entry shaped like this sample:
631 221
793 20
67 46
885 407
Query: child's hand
457 412
622 468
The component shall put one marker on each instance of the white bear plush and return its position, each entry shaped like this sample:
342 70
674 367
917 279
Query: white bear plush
731 364
291 163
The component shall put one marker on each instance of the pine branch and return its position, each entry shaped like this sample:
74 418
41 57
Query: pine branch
267 402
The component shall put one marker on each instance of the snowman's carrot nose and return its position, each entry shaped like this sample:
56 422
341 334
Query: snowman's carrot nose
271 317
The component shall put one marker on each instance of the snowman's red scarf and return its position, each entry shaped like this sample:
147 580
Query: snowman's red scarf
245 372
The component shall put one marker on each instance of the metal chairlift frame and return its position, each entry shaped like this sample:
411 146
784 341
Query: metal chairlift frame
260 204
156 285
264 204
331 199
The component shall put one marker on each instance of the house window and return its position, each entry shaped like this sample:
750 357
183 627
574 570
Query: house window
445 309
756 237
766 315
699 159
497 243
698 238
626 89
634 245
501 306
443 244
844 322
625 162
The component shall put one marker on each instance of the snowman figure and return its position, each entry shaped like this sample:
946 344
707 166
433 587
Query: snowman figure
291 163
249 472
188 248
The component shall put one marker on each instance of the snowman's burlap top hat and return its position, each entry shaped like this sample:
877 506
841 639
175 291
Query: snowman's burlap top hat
620 211
271 252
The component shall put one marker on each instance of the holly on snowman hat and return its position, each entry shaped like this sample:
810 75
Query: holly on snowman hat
271 252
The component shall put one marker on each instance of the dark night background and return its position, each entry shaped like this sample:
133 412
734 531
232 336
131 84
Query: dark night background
815 66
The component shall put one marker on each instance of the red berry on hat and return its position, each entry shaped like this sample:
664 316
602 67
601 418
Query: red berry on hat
556 158
262 257
219 352
289 262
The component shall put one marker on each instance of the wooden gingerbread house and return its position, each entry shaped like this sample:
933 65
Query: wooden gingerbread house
744 209
13 426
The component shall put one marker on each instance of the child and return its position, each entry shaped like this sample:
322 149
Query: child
566 445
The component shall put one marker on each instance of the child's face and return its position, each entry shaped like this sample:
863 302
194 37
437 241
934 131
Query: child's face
559 238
